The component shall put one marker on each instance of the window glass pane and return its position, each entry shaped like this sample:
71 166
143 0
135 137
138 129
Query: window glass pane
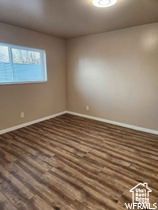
4 54
25 56
20 64
26 65
27 72
5 67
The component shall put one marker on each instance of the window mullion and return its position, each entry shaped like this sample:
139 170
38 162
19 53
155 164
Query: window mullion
11 62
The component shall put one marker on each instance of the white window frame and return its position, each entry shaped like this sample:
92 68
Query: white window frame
42 60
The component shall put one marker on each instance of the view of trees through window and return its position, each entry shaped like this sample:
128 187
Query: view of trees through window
25 57
4 54
19 56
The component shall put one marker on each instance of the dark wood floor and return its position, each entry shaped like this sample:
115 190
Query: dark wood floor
71 162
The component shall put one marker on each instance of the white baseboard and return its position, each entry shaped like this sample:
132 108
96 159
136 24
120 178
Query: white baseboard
81 115
30 123
115 123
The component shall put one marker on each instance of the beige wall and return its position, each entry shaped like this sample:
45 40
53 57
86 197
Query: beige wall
116 74
35 100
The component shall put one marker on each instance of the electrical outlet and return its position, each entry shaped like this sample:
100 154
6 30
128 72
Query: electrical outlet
22 114
87 108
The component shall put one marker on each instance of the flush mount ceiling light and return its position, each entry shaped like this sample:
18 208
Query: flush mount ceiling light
104 3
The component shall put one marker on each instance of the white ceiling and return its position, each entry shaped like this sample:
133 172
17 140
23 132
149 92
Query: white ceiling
72 18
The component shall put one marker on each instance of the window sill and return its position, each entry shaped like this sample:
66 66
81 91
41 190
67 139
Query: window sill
22 83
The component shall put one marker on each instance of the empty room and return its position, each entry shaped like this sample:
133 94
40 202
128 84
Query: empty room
78 104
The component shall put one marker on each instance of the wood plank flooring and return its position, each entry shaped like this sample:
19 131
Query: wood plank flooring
73 163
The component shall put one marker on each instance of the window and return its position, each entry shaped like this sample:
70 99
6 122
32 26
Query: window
22 65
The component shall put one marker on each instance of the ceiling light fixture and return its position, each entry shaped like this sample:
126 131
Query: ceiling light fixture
104 3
